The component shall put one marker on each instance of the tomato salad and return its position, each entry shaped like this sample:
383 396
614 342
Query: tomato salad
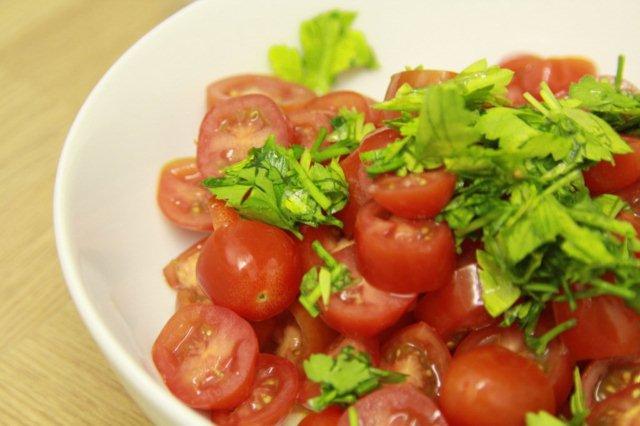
464 252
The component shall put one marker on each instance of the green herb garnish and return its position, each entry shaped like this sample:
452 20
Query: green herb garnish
349 128
579 410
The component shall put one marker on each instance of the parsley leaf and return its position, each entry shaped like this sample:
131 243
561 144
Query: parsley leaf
329 47
349 128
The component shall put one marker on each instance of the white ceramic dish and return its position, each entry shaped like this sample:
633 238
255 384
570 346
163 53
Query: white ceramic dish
113 241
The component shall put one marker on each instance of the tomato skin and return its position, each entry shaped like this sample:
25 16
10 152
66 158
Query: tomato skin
621 409
420 353
400 405
221 214
607 177
605 328
415 196
181 197
606 377
402 255
252 268
203 329
328 236
236 125
493 386
306 124
334 101
328 417
276 382
631 195
286 94
416 79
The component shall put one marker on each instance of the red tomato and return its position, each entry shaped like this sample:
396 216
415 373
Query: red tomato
416 79
328 236
606 328
622 409
272 397
287 95
607 177
398 405
235 126
633 218
250 267
221 214
631 195
415 196
402 255
306 124
329 417
182 198
362 310
370 346
333 102
180 273
357 177
187 296
420 353
493 386
606 377
207 356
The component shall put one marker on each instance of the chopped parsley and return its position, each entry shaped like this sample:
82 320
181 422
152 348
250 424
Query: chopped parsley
349 128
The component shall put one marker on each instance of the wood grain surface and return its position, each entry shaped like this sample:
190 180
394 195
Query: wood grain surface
52 52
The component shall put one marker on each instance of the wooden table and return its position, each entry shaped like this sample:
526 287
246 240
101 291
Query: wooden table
52 52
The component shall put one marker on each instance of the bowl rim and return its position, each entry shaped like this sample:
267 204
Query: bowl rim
147 392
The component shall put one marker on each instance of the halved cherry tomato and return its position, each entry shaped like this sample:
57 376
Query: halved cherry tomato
403 255
333 102
362 310
328 236
493 386
272 397
187 296
221 214
328 417
607 177
416 79
287 95
398 405
606 377
631 195
306 124
250 267
207 356
605 328
265 331
415 196
182 198
621 409
180 272
420 353
235 126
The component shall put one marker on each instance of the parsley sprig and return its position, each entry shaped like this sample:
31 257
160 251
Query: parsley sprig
349 128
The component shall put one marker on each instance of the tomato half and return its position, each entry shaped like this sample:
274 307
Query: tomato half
328 236
286 94
415 196
631 195
182 198
272 397
403 255
362 310
398 405
420 353
608 177
622 409
221 214
207 356
333 102
236 125
416 79
250 267
493 386
606 377
605 328
306 124
328 417
180 272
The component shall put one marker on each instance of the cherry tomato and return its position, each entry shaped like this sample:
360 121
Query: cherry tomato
415 196
416 79
287 95
622 409
605 328
236 125
333 102
250 267
606 377
221 214
180 273
306 124
182 198
607 177
272 397
402 255
493 386
207 356
328 417
187 296
420 353
631 195
357 177
362 310
328 236
398 405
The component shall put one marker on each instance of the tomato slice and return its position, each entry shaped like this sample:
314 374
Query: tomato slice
622 409
362 310
182 198
605 328
606 377
328 417
607 177
306 124
333 102
403 255
420 353
236 125
272 397
286 94
180 272
328 236
221 214
415 196
416 79
250 267
397 405
207 356
493 386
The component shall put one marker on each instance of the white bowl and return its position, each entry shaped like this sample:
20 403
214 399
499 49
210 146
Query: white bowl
111 238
